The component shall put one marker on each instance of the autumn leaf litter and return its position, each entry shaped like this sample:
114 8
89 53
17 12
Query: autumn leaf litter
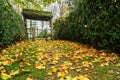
63 60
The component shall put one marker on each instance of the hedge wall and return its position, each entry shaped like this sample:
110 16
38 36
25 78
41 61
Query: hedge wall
95 23
11 24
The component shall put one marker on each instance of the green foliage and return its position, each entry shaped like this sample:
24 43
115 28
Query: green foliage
44 34
32 4
95 23
11 24
36 12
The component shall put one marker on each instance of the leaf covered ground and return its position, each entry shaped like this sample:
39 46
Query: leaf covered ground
57 60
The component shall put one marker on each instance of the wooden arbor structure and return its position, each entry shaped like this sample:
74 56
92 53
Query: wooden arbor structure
36 15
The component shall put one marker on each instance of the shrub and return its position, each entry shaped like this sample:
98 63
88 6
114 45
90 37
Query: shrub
11 24
95 23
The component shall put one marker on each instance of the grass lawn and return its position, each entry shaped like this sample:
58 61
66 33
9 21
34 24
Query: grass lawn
57 60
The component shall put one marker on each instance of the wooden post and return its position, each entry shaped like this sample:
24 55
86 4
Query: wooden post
52 34
26 34
32 26
42 36
33 33
46 34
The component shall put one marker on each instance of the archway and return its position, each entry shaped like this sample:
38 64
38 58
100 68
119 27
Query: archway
36 15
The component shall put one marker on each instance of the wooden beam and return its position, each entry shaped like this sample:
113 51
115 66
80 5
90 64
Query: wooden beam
26 34
37 15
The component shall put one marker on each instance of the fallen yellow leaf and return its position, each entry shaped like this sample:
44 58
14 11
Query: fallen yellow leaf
56 57
13 73
6 63
39 66
49 73
54 70
81 77
5 76
86 64
29 79
117 65
61 74
70 78
1 68
54 62
104 64
0 63
61 78
78 70
67 63
25 70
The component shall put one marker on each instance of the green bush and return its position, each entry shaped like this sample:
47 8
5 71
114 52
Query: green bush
95 23
11 24
44 33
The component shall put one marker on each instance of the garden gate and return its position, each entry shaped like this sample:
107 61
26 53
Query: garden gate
36 15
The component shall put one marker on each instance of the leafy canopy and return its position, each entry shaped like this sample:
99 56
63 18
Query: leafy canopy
34 4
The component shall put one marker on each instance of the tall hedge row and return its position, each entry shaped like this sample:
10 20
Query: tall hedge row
11 24
93 22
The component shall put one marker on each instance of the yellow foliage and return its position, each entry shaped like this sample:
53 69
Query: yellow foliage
82 78
61 74
13 73
54 70
29 79
49 73
39 66
5 76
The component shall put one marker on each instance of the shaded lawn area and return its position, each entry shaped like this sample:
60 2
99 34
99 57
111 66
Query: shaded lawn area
57 60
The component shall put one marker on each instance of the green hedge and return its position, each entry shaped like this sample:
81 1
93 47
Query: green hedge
11 24
95 23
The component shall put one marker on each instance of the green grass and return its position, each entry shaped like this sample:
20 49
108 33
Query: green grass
30 71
